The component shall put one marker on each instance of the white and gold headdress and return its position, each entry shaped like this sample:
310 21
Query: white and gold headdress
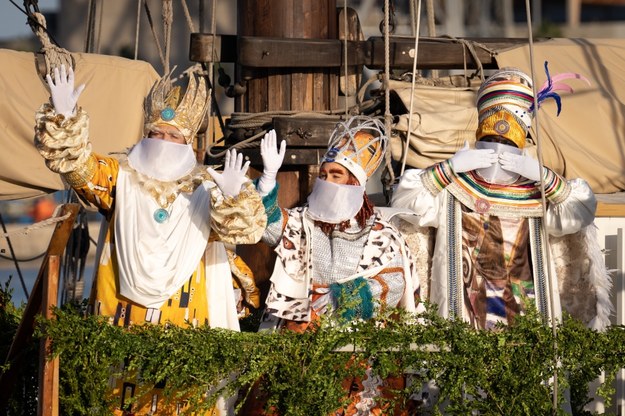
359 145
163 105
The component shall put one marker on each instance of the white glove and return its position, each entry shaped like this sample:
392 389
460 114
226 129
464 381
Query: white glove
272 160
233 175
467 159
64 96
524 165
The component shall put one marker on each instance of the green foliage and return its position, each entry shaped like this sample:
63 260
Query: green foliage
504 372
25 378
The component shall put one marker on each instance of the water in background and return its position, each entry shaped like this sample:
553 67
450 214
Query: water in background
29 274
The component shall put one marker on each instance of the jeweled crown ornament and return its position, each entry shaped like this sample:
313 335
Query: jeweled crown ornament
163 105
359 145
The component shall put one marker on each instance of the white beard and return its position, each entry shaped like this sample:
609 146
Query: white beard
495 173
162 160
334 203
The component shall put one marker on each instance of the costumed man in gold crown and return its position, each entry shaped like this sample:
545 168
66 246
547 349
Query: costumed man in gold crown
337 248
159 261
490 252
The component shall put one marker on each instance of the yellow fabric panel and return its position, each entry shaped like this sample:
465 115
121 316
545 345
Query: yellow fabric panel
188 306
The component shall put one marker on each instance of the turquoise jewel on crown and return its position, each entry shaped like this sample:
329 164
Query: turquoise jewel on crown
168 114
161 215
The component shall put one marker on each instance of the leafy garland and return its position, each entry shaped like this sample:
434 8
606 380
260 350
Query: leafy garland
503 372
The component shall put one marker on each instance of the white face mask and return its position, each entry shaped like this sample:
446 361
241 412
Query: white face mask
495 173
333 203
162 160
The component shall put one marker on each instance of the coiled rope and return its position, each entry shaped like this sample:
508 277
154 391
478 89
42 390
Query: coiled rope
54 55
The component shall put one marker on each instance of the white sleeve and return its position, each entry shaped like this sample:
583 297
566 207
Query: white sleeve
412 194
575 212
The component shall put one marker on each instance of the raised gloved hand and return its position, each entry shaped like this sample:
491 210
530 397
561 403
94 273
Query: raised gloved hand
467 159
523 164
233 175
272 160
64 96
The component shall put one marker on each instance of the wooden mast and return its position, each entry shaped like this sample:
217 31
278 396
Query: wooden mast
286 89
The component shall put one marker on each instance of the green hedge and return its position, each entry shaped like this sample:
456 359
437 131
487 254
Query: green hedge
504 372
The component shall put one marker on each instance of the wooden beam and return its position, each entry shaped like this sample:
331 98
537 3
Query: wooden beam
297 53
48 403
292 157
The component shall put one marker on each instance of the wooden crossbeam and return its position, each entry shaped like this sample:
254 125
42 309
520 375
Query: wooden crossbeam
292 53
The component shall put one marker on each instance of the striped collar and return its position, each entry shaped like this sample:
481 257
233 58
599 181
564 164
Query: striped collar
519 199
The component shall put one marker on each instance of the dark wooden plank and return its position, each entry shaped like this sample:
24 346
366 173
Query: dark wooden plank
434 53
305 131
294 156
292 53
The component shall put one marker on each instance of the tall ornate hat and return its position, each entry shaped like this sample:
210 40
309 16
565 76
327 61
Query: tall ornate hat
505 102
163 105
359 145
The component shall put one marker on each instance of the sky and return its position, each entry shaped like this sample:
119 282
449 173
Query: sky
13 21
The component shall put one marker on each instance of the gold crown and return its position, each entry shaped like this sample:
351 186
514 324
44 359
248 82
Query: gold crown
358 144
500 122
163 105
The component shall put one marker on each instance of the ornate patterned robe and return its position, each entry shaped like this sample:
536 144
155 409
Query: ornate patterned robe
490 253
205 294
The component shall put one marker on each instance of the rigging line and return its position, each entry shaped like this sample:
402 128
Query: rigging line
187 15
17 266
387 93
54 56
153 30
90 27
346 92
345 34
137 25
29 259
167 13
32 21
543 202
222 125
431 26
412 90
211 82
99 19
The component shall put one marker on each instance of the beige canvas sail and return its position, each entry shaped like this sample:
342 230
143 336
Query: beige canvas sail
113 98
587 140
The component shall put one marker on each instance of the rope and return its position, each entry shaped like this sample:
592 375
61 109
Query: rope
54 55
168 18
187 16
414 78
345 32
211 75
138 24
388 118
100 18
543 201
470 46
429 5
35 226
89 28
158 43
431 26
